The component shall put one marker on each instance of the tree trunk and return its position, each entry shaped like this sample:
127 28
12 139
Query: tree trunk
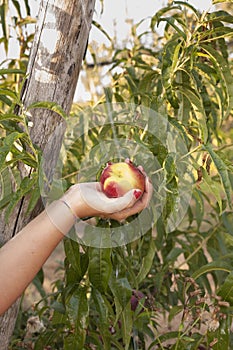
54 65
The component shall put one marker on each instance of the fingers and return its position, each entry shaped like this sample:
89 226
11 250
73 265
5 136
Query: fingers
137 206
126 201
94 198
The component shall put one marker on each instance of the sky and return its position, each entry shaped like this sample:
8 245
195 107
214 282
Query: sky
113 19
119 10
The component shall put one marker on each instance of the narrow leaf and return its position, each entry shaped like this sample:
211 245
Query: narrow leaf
127 326
121 290
213 188
226 289
7 145
52 106
220 265
17 7
224 71
72 250
223 172
102 309
14 117
147 262
98 26
198 108
185 4
78 311
100 267
35 195
25 187
4 71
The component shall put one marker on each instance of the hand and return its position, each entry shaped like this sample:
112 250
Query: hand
136 205
87 199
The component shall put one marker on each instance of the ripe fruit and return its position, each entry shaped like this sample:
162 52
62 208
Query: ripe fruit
119 178
135 299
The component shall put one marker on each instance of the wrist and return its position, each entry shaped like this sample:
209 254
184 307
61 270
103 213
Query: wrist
61 216
78 206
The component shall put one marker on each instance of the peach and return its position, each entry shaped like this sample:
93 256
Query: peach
119 178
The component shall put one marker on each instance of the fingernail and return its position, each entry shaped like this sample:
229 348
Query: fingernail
137 193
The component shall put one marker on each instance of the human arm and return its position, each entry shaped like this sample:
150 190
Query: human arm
22 257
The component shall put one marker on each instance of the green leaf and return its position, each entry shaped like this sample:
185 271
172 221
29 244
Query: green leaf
121 289
78 310
3 16
6 177
127 325
72 250
7 146
167 75
108 94
28 10
25 187
175 310
147 262
198 108
222 16
59 317
103 314
169 167
24 157
226 289
172 22
227 218
34 197
74 341
100 267
164 337
38 283
224 72
186 4
222 336
130 77
14 117
173 255
212 187
146 82
52 106
45 340
5 100
219 1
17 7
8 92
222 170
185 107
98 26
180 129
172 194
219 265
5 201
158 16
4 71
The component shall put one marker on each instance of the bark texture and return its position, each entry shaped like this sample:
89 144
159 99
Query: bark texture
54 65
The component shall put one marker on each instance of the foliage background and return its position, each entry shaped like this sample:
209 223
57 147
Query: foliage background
116 298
